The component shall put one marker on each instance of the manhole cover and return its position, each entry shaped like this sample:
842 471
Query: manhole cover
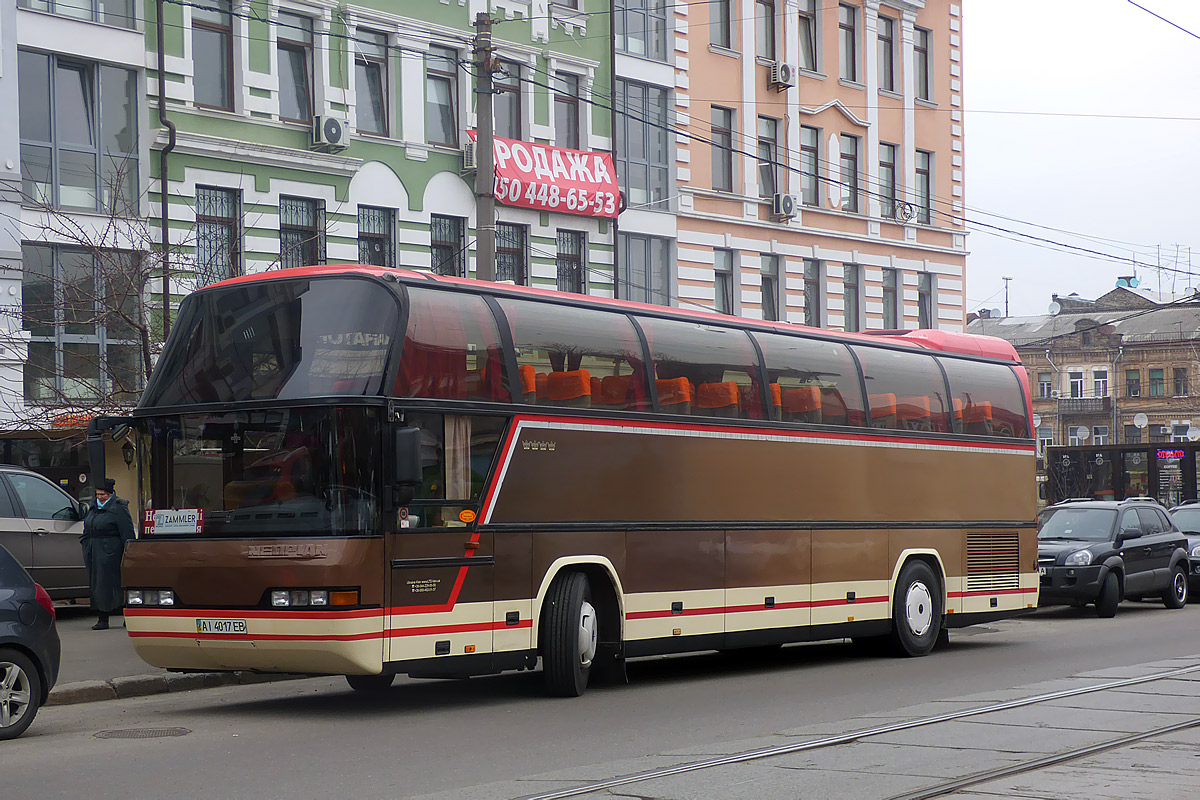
142 733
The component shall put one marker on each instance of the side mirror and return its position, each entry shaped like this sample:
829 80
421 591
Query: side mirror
407 443
1128 533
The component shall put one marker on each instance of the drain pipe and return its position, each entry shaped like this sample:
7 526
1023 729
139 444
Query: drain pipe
164 211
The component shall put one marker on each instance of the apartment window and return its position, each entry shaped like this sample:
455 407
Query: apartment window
1099 435
1045 438
218 234
371 82
723 281
1158 386
925 300
1181 381
849 167
506 105
722 149
1100 383
769 272
850 287
924 187
921 84
1045 385
812 293
848 42
441 96
643 151
376 243
887 180
512 253
719 28
810 166
1179 433
808 35
295 48
887 53
641 28
1073 439
301 232
212 54
1158 434
566 110
78 129
764 29
119 13
571 270
891 299
768 156
644 268
1133 383
82 310
448 245
1075 381
1133 434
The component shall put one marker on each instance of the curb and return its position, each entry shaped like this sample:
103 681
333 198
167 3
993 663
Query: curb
155 683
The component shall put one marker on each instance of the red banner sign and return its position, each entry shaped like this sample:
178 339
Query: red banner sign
547 178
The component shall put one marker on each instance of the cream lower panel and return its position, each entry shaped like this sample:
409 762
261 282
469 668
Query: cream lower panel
648 615
830 605
955 586
747 609
1008 600
507 637
467 626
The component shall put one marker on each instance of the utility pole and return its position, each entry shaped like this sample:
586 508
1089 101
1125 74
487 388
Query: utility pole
1006 280
485 169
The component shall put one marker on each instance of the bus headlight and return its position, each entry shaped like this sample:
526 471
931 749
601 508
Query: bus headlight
313 598
149 597
1080 558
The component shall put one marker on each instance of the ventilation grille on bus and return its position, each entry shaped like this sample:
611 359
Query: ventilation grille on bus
992 562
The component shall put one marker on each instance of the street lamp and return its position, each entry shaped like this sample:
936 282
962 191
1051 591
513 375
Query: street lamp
127 454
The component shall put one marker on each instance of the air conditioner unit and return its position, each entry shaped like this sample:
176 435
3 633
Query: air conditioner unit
1055 393
468 151
330 132
783 206
782 75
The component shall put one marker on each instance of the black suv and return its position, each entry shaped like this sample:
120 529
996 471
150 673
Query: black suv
1186 517
1102 551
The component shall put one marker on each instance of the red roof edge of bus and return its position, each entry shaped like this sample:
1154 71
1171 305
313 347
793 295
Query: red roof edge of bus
951 342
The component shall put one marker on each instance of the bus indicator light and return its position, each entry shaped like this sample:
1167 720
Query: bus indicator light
349 598
467 515
469 648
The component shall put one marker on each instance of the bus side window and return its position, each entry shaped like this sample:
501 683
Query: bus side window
703 370
811 380
905 390
990 397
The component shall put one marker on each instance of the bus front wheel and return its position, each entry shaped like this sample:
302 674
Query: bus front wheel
916 610
370 684
569 631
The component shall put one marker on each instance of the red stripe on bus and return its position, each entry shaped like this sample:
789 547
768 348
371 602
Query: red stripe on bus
471 627
692 612
224 613
261 637
991 593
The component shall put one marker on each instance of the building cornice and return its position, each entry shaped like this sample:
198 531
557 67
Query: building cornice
199 144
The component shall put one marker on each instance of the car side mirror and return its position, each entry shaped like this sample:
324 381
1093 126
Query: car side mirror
1128 533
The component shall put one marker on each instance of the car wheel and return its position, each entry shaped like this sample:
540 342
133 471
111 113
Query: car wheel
1109 597
20 693
1176 596
916 610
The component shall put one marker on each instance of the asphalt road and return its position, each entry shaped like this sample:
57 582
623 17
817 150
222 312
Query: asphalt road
314 738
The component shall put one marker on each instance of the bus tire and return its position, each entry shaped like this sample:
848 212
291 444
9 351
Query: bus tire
569 634
1109 597
916 610
1176 595
370 684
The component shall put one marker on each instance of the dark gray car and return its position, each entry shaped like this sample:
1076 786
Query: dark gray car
29 647
40 525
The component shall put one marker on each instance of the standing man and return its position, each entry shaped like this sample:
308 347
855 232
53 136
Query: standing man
106 529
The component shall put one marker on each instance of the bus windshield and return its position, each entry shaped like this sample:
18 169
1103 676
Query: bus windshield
285 472
278 340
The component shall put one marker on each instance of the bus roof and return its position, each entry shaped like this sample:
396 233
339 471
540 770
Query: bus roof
945 341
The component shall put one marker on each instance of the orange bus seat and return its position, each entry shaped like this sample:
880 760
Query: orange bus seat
674 395
572 388
528 382
913 413
717 399
883 410
833 408
614 391
776 401
802 404
595 390
977 418
540 380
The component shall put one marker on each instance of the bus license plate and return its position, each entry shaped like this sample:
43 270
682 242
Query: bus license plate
230 626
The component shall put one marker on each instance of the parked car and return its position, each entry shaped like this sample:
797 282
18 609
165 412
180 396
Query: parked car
29 647
1104 551
40 525
1187 518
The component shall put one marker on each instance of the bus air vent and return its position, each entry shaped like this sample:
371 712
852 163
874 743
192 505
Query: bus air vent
992 562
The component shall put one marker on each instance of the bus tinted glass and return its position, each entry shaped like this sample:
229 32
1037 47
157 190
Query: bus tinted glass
451 349
278 340
988 397
811 380
703 370
905 390
577 357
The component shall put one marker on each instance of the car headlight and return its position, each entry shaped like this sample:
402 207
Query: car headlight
1196 551
1080 558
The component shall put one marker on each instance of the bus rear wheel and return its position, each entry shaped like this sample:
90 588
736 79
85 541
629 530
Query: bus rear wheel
569 635
916 610
370 684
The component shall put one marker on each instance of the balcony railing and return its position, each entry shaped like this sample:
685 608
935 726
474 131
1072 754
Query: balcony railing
1084 405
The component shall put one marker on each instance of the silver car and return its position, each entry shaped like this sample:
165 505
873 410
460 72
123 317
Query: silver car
40 525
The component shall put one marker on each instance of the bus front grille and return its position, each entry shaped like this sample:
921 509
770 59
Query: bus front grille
993 562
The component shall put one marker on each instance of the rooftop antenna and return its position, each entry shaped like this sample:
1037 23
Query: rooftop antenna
1006 280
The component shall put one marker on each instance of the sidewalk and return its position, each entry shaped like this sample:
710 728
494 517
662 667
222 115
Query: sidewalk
102 665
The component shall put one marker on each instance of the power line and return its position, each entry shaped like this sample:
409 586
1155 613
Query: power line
1164 19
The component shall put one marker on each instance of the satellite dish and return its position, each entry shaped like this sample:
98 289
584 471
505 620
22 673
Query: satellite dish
1037 420
1082 433
1193 433
1140 420
1133 283
1055 307
995 312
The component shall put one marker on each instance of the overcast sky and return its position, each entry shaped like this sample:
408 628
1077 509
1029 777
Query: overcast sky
1127 185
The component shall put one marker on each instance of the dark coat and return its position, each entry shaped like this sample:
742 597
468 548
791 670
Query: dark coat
105 532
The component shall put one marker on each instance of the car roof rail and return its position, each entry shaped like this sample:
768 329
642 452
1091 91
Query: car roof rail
1151 499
